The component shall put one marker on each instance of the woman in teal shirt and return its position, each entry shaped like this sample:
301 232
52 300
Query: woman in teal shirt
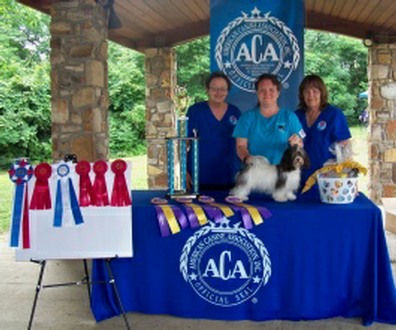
268 129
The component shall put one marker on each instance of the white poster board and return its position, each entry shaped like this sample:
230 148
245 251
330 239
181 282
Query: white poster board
105 233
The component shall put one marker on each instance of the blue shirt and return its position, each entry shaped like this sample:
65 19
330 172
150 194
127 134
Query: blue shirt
330 126
218 161
268 137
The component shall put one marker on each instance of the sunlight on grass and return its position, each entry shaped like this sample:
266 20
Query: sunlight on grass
5 201
139 172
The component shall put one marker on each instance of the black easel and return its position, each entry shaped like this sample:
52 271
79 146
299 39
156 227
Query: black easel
85 281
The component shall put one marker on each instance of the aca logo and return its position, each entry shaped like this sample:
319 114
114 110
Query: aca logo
225 265
251 45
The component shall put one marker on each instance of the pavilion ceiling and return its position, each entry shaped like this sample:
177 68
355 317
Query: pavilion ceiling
159 23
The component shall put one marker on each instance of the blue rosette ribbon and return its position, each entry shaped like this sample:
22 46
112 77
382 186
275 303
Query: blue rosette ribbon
66 197
20 173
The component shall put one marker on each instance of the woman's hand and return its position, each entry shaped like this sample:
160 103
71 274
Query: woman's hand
296 140
242 150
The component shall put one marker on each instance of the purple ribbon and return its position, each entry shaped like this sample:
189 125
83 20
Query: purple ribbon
213 212
192 217
163 224
245 215
181 218
265 213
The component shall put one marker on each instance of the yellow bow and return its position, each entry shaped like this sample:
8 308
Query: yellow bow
338 168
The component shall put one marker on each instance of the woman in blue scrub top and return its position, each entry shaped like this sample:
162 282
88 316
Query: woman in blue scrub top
323 123
268 129
214 121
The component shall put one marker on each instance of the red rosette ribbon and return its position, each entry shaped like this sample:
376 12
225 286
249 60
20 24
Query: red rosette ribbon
120 195
86 196
99 186
41 199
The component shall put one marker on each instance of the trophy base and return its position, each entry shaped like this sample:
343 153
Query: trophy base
182 194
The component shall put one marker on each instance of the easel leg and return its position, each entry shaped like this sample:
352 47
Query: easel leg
38 289
87 278
117 294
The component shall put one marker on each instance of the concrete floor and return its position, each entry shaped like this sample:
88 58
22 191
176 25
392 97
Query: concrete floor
67 308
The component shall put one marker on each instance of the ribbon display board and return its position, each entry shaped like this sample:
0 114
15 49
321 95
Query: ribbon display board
76 211
249 38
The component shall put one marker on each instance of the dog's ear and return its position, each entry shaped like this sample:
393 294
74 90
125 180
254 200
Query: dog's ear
307 160
286 163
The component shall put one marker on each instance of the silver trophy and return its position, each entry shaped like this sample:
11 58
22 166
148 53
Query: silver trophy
178 148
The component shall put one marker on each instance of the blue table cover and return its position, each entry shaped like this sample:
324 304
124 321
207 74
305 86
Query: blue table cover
319 261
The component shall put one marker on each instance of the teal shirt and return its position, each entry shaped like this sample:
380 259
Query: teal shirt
268 137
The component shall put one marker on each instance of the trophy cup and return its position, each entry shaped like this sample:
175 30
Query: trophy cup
177 149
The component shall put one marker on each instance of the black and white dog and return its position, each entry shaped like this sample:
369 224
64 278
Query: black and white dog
280 181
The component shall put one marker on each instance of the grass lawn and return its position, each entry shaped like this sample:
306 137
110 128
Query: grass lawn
5 201
139 175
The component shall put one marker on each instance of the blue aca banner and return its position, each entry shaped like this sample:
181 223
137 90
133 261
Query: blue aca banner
248 38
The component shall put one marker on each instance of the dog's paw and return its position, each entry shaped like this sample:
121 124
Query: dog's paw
291 197
280 198
240 193
241 198
233 199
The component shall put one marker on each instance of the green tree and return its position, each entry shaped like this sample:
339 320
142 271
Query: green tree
127 102
342 63
25 117
193 67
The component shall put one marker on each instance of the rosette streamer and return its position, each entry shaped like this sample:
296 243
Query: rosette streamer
20 173
99 186
213 213
214 210
86 196
251 215
65 189
25 223
41 198
195 215
120 195
170 217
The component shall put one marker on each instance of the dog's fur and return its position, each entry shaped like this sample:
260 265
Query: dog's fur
342 152
280 181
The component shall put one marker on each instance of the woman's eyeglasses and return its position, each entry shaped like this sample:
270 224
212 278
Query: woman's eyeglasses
216 89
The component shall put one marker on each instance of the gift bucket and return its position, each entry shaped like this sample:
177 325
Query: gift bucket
337 190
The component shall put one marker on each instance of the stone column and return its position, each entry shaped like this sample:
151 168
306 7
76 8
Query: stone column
79 79
160 66
382 129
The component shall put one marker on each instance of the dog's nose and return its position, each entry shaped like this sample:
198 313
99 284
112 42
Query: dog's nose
299 161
